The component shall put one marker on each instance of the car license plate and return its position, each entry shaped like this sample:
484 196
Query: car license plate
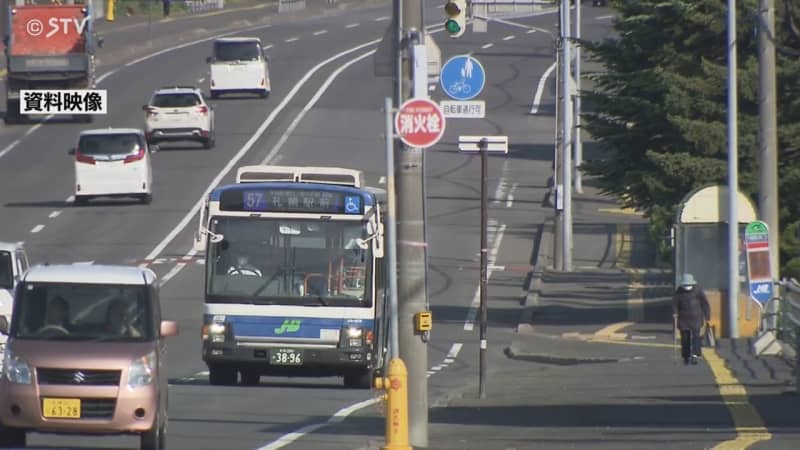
286 357
62 408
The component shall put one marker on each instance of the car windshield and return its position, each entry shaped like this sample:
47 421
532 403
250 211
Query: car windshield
91 312
176 100
295 262
109 144
236 51
6 271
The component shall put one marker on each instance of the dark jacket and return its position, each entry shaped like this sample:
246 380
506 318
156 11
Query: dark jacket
692 308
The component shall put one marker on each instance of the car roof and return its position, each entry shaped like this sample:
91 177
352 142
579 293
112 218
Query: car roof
9 246
110 130
178 90
238 39
90 274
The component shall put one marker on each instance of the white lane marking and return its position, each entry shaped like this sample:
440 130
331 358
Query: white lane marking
610 16
510 198
489 45
449 360
537 99
54 214
437 368
268 46
352 25
382 179
382 18
200 80
476 300
285 136
70 199
530 31
37 228
337 417
243 151
453 353
320 32
508 38
292 39
9 147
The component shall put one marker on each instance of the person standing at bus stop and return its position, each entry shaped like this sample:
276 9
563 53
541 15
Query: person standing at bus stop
690 310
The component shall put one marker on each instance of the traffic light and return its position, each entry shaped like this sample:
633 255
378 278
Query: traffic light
456 23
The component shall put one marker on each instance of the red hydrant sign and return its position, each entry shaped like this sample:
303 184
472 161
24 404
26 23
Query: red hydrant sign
419 123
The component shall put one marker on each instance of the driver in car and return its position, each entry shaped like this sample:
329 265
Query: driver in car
57 315
244 267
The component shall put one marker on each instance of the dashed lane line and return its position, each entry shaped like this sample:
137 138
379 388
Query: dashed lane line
485 46
37 228
508 38
352 25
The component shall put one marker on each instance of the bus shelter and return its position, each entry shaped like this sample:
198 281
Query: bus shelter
700 247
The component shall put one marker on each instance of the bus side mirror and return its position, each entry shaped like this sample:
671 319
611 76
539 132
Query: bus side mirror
3 325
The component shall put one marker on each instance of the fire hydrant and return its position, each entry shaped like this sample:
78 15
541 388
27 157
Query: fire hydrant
109 10
396 397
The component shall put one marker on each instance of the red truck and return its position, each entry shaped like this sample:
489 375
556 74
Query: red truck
48 46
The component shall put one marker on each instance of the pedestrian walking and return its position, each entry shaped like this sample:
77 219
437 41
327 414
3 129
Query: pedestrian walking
690 311
167 4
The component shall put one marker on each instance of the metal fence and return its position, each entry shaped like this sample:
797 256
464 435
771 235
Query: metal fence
195 6
786 322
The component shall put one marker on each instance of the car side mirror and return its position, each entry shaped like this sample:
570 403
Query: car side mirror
71 151
209 59
168 328
144 107
3 325
153 148
100 42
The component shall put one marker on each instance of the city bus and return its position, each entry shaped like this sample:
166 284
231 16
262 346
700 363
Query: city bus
294 276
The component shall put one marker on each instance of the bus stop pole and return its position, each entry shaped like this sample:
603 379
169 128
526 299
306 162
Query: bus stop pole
391 232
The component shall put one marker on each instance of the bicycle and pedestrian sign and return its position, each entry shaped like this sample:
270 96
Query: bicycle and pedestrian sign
759 271
419 123
462 77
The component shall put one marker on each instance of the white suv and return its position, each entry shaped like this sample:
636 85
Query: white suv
179 114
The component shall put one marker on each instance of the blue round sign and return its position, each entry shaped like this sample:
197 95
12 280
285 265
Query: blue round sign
462 77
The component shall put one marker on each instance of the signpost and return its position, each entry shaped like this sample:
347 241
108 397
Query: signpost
419 123
462 77
759 271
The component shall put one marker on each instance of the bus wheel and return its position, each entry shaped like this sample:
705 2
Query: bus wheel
222 375
358 380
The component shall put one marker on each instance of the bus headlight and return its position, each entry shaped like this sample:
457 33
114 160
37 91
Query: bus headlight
352 336
353 332
215 330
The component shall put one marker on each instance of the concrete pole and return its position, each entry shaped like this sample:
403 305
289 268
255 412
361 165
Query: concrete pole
768 130
578 140
566 139
411 246
733 181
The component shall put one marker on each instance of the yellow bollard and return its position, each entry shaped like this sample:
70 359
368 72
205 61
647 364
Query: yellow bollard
396 387
110 10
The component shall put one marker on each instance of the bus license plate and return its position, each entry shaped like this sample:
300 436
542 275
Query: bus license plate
286 357
61 408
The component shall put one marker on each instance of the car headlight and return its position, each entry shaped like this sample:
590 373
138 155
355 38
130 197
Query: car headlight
15 369
142 371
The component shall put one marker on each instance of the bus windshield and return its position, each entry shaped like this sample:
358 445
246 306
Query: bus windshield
288 262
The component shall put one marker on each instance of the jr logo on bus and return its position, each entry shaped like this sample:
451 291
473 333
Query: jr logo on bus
288 326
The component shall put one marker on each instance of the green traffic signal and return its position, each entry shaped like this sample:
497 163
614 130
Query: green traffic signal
452 26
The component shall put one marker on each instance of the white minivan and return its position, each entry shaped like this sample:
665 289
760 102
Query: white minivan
239 64
112 162
13 264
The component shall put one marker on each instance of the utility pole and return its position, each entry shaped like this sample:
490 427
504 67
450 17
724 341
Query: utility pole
483 147
577 115
768 129
566 142
733 178
411 245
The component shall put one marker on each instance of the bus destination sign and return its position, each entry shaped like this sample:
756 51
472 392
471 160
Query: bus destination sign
291 201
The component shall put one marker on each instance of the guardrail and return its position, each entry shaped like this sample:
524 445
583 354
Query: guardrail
196 6
788 320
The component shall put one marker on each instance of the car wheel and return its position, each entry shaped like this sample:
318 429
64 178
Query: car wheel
156 437
146 199
210 142
214 95
250 377
12 437
359 380
222 375
81 200
264 94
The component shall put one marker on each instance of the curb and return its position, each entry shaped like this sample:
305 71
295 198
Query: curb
513 352
543 247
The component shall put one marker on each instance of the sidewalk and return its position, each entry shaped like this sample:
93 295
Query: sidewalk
593 363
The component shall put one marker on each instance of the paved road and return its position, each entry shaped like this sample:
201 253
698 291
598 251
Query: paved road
318 114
